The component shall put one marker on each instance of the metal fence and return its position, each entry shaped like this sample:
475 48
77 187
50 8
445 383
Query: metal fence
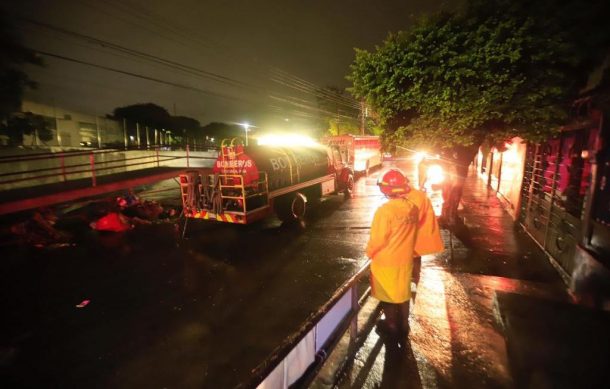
18 171
302 354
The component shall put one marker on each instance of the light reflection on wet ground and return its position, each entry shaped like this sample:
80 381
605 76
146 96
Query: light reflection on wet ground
199 315
455 340
205 313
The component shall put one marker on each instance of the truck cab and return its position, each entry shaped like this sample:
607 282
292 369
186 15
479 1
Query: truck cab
359 152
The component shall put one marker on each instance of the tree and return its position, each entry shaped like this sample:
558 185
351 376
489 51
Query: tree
496 70
156 117
220 131
186 126
13 80
149 114
20 124
337 111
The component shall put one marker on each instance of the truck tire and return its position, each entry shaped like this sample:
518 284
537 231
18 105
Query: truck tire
348 192
291 208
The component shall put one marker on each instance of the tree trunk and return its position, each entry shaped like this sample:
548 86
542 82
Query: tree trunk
452 191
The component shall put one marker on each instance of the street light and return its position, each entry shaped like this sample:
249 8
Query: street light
246 127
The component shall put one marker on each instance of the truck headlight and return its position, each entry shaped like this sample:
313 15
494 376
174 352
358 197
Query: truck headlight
435 174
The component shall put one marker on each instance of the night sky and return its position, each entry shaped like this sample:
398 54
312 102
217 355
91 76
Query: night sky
253 61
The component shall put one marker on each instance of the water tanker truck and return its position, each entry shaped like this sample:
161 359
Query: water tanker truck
248 183
361 152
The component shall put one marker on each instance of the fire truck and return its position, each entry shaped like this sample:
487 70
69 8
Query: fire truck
249 183
358 152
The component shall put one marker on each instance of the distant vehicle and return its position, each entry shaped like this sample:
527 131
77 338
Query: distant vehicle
361 153
249 183
430 171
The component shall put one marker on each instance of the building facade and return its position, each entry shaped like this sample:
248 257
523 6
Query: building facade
73 129
559 192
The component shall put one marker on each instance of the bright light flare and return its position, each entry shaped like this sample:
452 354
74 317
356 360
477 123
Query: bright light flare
286 140
511 155
435 174
419 156
360 165
361 158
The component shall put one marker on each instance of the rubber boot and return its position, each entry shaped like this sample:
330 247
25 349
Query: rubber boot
403 317
415 275
389 326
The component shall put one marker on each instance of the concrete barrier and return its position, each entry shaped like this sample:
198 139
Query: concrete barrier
27 169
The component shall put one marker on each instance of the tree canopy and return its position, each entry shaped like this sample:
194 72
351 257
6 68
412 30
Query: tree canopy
185 125
19 124
148 114
497 69
13 80
222 130
156 117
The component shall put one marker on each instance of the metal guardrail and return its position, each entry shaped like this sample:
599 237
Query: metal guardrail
302 354
64 170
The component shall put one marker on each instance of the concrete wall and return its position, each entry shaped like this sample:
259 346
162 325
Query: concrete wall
504 172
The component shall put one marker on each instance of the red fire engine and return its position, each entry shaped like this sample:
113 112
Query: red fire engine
249 183
359 152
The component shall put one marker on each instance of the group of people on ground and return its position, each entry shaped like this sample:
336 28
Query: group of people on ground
40 228
128 211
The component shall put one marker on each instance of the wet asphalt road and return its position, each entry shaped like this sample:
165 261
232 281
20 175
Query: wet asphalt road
200 314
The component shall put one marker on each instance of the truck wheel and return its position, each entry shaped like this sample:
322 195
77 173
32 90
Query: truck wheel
291 208
348 192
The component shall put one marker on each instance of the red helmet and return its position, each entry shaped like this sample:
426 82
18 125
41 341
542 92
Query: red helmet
393 183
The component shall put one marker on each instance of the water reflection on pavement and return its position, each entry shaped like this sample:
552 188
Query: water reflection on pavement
455 340
200 314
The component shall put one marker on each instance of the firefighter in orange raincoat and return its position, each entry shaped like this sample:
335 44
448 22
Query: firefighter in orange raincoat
403 228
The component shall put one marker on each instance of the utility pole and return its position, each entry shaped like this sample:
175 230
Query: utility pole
362 117
125 132
99 136
57 134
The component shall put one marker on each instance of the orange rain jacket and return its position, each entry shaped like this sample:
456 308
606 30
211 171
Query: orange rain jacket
402 228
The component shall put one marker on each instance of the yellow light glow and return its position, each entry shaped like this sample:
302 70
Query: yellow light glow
286 140
419 156
361 157
436 175
360 165
511 155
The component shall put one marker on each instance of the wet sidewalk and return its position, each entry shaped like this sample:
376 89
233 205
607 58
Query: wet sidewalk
490 311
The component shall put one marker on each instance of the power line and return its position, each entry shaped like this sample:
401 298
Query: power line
153 58
207 92
175 65
310 86
287 79
301 105
281 77
138 12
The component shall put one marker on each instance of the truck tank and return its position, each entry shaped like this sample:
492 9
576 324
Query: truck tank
284 165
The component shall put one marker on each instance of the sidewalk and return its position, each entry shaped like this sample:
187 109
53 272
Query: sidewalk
490 311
